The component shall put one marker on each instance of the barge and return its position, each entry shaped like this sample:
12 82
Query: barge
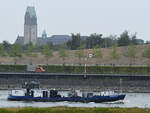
32 92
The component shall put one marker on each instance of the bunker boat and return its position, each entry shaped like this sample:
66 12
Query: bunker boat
31 92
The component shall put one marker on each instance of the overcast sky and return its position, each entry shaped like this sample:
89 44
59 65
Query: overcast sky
77 16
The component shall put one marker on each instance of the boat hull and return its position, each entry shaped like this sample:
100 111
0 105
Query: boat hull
97 99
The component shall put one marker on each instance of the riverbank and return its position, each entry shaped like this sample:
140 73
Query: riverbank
72 59
136 84
74 110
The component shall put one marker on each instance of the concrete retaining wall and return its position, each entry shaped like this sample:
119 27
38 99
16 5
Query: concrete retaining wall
98 82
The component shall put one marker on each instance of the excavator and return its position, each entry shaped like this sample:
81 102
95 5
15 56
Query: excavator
35 69
39 69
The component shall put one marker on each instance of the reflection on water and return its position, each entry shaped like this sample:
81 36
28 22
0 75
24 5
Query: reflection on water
132 100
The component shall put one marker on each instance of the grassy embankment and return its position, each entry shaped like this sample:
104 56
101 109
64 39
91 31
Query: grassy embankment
71 59
74 110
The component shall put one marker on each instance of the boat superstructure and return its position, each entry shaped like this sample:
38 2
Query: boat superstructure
33 93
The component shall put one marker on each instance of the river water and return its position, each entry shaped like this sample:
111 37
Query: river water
141 100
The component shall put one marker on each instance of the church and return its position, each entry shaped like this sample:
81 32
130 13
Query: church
31 31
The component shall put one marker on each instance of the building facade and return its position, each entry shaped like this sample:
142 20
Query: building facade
30 26
30 32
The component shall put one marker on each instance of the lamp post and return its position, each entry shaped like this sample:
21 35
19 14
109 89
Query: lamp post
86 57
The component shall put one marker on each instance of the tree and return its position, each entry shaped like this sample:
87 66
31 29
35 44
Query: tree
94 39
97 53
2 51
16 52
124 39
146 53
63 54
131 53
7 46
79 54
133 39
30 52
75 42
109 41
147 42
114 54
47 53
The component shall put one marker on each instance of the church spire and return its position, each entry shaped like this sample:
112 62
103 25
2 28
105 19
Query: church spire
30 16
44 34
30 26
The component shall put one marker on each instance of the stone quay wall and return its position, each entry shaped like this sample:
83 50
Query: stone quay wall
126 83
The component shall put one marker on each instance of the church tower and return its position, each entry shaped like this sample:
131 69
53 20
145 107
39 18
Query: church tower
44 34
30 26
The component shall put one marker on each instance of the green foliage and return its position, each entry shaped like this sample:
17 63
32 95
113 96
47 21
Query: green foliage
133 39
34 55
30 52
124 39
80 69
109 41
74 110
89 42
64 69
2 51
96 47
98 69
79 53
33 110
147 42
94 39
4 111
63 53
82 46
131 52
97 53
146 53
6 46
48 53
16 52
13 68
114 54
75 42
